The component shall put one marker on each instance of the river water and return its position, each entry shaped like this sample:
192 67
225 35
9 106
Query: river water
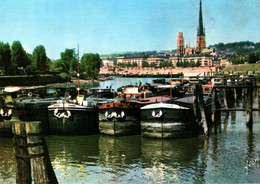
228 157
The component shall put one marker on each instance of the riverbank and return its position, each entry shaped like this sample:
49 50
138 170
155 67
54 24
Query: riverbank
30 80
191 71
243 68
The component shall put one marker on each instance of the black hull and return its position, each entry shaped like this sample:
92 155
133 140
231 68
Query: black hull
32 112
129 125
174 123
82 122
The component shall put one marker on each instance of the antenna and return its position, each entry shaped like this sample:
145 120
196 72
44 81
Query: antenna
78 70
171 75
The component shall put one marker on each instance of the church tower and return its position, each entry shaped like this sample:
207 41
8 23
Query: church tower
201 39
180 44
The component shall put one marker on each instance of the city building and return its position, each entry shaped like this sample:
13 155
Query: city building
204 60
200 54
180 44
108 62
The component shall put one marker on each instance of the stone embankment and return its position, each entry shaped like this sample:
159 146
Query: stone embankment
142 71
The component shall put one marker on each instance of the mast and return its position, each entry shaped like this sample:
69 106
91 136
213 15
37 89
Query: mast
171 75
78 71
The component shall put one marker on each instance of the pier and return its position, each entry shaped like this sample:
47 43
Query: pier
31 152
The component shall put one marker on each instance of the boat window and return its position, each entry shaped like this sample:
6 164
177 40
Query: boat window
108 105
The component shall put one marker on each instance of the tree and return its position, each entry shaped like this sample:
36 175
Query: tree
238 60
18 57
57 66
198 63
152 64
69 58
40 59
252 58
185 64
5 58
91 64
179 63
145 64
192 63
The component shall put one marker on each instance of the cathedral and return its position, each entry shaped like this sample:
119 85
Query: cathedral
198 54
201 40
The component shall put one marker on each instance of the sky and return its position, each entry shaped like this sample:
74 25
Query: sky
112 26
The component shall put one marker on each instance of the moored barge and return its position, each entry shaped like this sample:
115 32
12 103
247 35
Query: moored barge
71 119
166 120
119 118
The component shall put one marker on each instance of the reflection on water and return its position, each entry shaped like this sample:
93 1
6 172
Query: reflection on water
122 81
7 164
226 157
173 160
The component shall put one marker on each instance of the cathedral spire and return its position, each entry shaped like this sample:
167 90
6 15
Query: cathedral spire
200 26
201 40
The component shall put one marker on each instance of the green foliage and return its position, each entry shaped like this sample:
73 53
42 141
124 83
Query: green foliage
64 75
192 63
90 64
238 60
178 64
165 64
69 58
127 64
145 64
242 48
57 66
198 63
252 58
40 59
186 63
243 68
5 58
18 57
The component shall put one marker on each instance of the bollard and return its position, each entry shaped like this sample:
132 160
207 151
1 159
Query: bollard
202 108
23 167
32 154
249 119
40 162
6 128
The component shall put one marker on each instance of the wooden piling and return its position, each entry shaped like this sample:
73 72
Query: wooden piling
23 167
219 96
213 103
225 94
195 103
6 128
202 108
249 119
32 154
213 111
233 80
40 162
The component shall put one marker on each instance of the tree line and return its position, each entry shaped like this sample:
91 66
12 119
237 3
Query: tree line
14 60
242 48
250 58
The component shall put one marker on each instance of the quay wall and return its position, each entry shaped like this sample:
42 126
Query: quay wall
29 80
150 70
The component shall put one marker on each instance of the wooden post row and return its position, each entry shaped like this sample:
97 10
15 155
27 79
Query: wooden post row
32 154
